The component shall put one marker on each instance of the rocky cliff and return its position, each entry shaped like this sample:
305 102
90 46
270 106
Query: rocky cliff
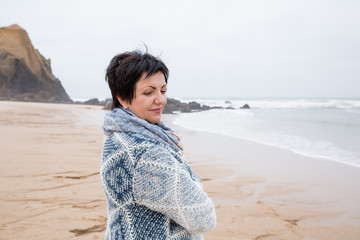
25 75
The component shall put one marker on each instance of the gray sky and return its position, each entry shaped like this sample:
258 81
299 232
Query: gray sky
229 49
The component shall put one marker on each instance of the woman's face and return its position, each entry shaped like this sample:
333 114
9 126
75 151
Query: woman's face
150 98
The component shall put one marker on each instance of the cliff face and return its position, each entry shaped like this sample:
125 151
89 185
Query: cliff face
25 75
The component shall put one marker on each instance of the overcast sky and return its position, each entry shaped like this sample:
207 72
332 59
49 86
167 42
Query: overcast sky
222 49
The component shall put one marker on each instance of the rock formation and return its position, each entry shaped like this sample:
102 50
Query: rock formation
245 106
25 75
174 105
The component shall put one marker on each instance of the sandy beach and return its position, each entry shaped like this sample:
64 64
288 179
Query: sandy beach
50 185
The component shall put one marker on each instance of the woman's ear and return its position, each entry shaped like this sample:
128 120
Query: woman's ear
123 103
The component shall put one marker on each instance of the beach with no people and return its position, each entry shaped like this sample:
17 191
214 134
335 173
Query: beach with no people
50 184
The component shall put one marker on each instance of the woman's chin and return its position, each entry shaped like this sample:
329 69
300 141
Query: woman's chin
157 120
154 119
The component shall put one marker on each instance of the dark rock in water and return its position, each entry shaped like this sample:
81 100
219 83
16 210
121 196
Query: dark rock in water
174 105
246 106
25 75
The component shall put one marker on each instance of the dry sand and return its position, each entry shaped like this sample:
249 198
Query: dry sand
50 186
50 161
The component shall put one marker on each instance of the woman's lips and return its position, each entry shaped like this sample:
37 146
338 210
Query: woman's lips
156 110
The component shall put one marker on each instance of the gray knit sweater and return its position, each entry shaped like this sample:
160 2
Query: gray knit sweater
152 192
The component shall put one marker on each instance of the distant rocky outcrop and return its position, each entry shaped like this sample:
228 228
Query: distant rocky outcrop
245 106
174 105
25 75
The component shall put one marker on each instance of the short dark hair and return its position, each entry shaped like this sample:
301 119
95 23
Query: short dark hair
126 69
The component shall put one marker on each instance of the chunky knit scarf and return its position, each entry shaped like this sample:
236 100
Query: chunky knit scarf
123 120
152 192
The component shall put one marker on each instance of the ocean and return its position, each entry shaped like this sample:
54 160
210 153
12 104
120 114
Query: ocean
320 128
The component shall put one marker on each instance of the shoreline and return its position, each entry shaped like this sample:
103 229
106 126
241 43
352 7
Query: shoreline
321 158
284 147
169 120
50 181
311 191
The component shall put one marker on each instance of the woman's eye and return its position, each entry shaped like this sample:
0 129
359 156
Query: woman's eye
163 91
147 93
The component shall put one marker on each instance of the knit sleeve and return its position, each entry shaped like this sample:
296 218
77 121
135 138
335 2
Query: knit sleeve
166 185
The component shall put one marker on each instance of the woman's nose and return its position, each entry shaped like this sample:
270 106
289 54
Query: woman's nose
160 98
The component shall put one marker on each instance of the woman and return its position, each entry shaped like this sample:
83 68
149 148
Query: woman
152 192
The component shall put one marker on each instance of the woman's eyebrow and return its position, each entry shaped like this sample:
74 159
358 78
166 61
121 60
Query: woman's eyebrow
153 86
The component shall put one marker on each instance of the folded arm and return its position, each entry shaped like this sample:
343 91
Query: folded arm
166 185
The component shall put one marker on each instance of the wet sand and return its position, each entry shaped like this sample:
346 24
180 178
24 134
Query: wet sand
50 185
